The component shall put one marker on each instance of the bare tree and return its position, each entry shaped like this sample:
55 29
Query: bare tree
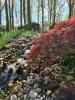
54 12
9 8
24 15
21 13
0 12
28 13
70 8
50 5
38 10
1 8
7 15
71 4
12 13
42 5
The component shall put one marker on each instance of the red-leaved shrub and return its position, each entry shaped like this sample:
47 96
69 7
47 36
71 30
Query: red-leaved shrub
53 42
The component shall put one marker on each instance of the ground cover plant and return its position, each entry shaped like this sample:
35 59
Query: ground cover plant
7 36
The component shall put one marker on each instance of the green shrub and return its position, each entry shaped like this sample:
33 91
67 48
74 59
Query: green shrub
68 60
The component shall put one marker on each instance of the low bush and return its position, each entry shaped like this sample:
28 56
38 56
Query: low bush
34 26
54 42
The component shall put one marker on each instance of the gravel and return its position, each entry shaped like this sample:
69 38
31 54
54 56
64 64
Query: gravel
37 80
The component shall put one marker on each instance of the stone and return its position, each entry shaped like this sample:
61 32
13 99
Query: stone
13 97
36 99
48 92
25 65
38 90
31 74
69 78
27 51
29 81
36 85
46 78
10 84
46 71
26 90
37 77
21 61
19 98
48 98
25 96
24 81
42 98
23 44
33 94
19 94
38 96
52 85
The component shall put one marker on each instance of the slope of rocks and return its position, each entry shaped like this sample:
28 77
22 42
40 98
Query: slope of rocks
37 80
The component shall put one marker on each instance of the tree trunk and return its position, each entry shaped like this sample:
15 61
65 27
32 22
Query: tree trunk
54 13
21 13
28 14
7 15
70 9
38 10
24 15
12 14
42 4
50 11
0 12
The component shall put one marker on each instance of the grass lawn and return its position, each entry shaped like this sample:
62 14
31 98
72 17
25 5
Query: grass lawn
6 36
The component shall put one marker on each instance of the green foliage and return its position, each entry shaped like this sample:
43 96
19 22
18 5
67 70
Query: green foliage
68 60
68 64
55 41
50 26
11 35
2 96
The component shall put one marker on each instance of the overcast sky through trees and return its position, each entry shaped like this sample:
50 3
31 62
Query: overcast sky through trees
34 12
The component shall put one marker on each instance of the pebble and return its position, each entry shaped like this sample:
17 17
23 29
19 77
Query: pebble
36 85
33 94
48 92
19 94
43 97
38 90
46 78
29 81
48 98
31 74
36 99
27 51
13 97
19 98
24 81
21 61
29 91
25 97
37 77
69 78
